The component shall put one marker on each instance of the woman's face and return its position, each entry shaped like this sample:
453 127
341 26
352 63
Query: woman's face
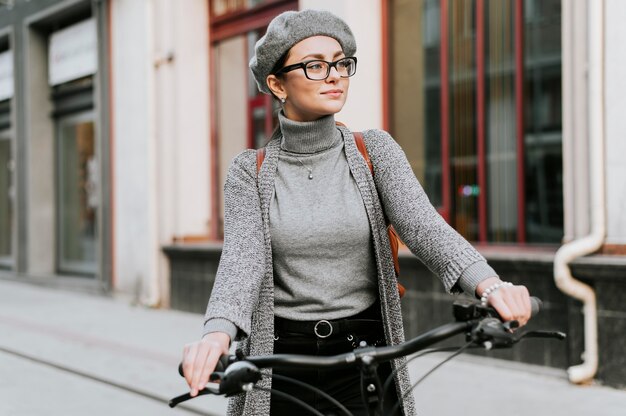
308 100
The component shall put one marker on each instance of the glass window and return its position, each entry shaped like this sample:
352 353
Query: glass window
7 196
462 115
500 122
415 89
542 121
244 117
231 93
77 194
456 112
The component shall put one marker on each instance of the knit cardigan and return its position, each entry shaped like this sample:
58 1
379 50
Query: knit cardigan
244 286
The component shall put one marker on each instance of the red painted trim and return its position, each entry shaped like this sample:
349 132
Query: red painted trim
260 101
238 23
519 109
250 108
446 208
269 117
213 153
250 111
253 103
111 142
480 120
384 8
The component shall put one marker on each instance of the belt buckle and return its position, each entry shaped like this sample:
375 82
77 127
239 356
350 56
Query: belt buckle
330 326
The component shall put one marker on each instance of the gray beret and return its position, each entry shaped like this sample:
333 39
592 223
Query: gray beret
289 28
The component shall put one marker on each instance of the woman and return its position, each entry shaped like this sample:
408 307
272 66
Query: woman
306 265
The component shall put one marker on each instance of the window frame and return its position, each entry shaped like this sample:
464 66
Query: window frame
221 28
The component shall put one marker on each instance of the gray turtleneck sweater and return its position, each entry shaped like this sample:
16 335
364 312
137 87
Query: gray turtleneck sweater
321 240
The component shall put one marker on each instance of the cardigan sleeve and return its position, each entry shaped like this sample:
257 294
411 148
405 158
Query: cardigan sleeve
441 248
242 263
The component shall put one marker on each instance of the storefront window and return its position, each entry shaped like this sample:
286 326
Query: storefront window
77 194
542 120
501 161
245 118
462 115
481 123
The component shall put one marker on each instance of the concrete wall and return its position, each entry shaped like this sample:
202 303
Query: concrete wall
364 108
160 132
39 128
615 128
576 204
134 150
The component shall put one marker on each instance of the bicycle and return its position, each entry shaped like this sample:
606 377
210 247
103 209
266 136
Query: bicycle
482 326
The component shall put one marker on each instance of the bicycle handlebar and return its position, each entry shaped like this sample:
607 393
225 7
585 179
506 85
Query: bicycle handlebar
482 326
385 353
465 312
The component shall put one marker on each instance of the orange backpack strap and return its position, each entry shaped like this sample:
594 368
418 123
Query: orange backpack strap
360 144
394 239
260 157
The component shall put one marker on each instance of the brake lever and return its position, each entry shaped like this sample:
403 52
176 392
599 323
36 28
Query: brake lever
187 396
492 333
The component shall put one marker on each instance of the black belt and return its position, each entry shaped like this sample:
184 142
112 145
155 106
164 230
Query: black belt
324 328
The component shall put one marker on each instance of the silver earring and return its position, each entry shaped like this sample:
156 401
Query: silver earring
283 100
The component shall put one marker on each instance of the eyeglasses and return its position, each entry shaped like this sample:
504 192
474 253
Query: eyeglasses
319 70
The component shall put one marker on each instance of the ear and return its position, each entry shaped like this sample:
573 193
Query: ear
275 85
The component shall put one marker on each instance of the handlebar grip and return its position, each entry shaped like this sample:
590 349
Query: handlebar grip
535 305
221 365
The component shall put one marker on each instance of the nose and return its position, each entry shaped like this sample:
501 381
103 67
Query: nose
333 74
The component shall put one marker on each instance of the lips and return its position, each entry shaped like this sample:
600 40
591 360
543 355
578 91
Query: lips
333 92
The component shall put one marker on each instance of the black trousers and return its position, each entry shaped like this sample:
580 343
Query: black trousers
344 385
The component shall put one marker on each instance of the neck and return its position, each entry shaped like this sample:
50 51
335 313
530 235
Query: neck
308 136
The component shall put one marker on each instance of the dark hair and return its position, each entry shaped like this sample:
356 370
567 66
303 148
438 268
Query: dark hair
280 63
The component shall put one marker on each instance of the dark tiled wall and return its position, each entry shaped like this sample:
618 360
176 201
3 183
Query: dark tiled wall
192 273
607 275
426 305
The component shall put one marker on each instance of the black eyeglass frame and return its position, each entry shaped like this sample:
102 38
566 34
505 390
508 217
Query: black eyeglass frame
303 65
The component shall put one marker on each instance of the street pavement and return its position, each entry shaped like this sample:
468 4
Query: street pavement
70 353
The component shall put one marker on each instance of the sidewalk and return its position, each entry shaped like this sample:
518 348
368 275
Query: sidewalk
66 353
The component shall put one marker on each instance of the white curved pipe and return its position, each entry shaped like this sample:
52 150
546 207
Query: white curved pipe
591 243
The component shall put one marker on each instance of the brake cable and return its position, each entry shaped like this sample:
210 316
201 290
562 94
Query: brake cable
432 370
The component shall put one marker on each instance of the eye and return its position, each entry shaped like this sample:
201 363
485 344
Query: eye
315 66
344 63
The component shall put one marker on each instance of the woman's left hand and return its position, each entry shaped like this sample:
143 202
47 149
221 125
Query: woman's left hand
511 302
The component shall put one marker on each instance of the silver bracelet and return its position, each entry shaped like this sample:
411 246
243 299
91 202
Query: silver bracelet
490 290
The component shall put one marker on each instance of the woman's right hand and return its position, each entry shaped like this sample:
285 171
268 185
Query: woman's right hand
200 359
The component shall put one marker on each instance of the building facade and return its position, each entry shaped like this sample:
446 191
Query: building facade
118 120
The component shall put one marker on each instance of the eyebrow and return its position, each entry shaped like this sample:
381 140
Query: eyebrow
321 56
